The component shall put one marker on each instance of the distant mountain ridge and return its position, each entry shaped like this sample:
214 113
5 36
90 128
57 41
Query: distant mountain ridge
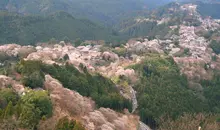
108 20
15 28
104 12
107 12
157 22
209 9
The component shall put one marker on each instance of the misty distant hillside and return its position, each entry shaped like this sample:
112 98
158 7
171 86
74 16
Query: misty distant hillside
107 12
20 29
209 9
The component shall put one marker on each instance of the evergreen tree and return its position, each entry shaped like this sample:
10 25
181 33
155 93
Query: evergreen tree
66 39
8 110
29 116
66 57
78 126
34 80
1 113
52 41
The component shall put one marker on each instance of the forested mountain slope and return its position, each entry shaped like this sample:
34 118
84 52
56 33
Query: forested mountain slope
160 21
131 18
166 76
107 12
154 23
15 28
209 9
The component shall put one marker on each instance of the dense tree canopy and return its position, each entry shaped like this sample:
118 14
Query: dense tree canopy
28 110
105 12
215 45
101 89
162 91
15 28
66 124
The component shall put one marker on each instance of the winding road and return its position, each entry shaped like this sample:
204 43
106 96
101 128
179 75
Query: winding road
142 126
134 99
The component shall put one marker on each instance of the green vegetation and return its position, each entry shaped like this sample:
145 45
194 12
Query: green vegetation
148 28
215 45
162 91
138 29
101 89
66 124
211 92
214 58
66 39
66 57
186 51
30 29
209 9
164 97
33 80
106 12
208 34
3 56
32 75
120 51
34 105
23 112
191 122
6 96
52 41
